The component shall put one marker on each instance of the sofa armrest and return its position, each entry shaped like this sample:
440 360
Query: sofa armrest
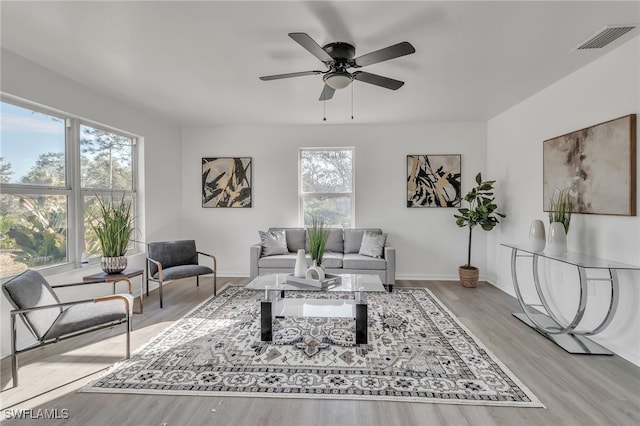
255 251
390 257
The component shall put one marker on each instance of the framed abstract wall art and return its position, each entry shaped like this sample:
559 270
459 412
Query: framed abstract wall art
433 181
226 181
597 165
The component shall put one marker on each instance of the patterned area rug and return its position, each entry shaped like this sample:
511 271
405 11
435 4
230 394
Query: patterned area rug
417 351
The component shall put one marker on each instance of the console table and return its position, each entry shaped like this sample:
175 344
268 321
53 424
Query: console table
549 324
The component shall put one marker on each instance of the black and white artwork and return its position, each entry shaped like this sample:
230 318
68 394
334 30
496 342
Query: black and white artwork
433 181
226 182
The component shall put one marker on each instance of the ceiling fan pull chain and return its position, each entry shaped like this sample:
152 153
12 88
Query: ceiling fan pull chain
352 89
324 108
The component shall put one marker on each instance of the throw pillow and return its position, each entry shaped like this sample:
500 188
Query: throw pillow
273 242
372 244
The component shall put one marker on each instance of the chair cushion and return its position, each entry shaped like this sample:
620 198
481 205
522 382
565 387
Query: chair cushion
273 242
372 244
353 238
172 253
360 262
29 290
85 315
183 271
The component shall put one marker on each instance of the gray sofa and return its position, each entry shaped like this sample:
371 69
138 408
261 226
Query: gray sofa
341 255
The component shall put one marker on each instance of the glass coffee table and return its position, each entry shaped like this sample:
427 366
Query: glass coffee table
277 305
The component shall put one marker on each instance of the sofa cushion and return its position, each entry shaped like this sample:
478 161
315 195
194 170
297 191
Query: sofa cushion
332 260
335 242
296 238
273 242
353 238
372 244
278 261
361 262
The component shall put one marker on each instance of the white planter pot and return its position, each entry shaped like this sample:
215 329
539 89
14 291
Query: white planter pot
557 241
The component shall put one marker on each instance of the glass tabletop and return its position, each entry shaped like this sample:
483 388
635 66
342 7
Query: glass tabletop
577 259
349 283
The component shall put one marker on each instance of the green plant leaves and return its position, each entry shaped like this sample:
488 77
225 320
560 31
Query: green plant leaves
318 235
114 226
482 210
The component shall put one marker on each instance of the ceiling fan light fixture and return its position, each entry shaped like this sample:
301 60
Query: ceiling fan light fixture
338 80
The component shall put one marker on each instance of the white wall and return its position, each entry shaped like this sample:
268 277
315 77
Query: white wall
159 164
429 244
606 89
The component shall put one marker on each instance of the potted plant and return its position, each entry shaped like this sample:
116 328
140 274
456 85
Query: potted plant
318 235
113 225
560 208
559 219
481 211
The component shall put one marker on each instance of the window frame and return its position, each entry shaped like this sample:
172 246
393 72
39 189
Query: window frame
72 189
305 195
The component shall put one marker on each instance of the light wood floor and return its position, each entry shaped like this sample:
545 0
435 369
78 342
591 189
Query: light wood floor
577 390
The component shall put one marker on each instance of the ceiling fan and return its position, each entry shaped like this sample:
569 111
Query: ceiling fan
338 57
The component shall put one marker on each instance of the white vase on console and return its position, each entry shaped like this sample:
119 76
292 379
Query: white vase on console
537 238
300 270
557 243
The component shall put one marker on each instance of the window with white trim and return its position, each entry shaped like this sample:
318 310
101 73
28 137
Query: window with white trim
326 187
52 167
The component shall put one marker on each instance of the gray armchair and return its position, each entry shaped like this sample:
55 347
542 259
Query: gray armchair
51 321
172 260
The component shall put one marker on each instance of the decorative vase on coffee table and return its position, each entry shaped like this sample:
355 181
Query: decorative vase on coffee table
300 269
315 272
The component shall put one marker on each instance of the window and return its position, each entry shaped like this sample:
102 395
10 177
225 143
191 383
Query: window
52 166
326 186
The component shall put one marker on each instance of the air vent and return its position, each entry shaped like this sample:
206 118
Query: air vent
605 36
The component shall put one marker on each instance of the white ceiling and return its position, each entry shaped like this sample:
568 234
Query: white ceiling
198 63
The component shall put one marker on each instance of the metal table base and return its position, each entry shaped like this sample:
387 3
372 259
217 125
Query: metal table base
544 320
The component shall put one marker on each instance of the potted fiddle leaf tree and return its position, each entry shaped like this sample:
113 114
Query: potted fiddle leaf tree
481 211
113 225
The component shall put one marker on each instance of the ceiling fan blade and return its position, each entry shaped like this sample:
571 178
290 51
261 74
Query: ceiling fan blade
327 93
314 48
378 80
395 51
291 74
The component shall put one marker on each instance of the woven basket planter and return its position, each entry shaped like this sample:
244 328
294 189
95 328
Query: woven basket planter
468 276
